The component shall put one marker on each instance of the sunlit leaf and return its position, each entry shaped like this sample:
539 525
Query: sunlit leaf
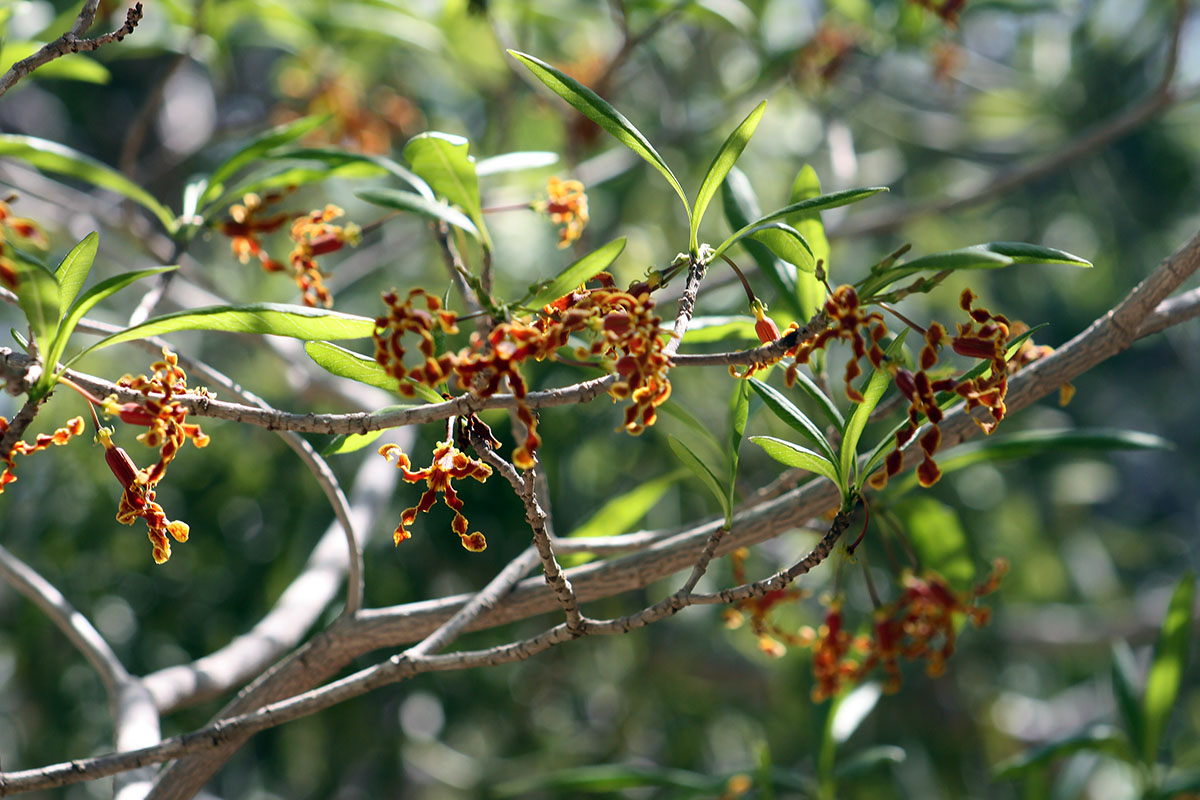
337 158
350 442
74 67
598 110
443 161
707 329
794 455
853 709
411 201
739 412
37 295
877 384
73 271
53 157
515 162
726 157
1168 665
809 291
796 419
349 364
255 149
788 244
277 319
993 255
819 203
576 274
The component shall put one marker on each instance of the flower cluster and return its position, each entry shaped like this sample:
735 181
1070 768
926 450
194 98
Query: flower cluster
137 499
405 317
19 230
247 222
771 636
918 626
162 416
449 464
312 233
849 321
74 427
567 207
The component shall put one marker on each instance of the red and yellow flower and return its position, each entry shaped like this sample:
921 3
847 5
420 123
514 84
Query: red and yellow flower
449 464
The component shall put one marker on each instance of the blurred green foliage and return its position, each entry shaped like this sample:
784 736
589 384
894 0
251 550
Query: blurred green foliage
869 92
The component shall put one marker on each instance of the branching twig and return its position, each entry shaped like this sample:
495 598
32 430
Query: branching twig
71 42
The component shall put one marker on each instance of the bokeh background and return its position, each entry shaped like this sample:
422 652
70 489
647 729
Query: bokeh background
866 91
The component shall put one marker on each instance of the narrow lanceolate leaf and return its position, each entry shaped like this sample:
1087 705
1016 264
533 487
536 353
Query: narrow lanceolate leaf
277 319
350 442
810 293
411 201
337 158
103 289
37 294
739 412
1167 668
796 419
740 206
257 148
1101 739
701 471
73 271
442 160
349 364
824 402
876 386
787 243
992 255
515 162
275 179
794 455
598 110
726 157
680 413
1125 691
53 157
819 203
576 274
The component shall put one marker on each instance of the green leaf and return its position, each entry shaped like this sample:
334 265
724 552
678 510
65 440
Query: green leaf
595 108
708 329
1168 665
442 161
350 442
783 408
726 157
992 255
606 779
255 149
872 394
852 709
103 289
787 243
1125 692
938 539
1101 739
870 759
349 364
740 206
53 157
74 269
277 319
1178 785
794 455
411 201
683 415
819 203
701 471
810 293
37 295
274 179
576 274
739 412
337 158
515 162
624 511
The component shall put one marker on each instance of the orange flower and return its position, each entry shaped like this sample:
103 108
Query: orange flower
163 416
137 499
567 207
849 321
449 464
403 318
24 231
244 227
315 236
74 427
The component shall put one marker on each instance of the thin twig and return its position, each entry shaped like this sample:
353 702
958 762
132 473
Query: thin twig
70 42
